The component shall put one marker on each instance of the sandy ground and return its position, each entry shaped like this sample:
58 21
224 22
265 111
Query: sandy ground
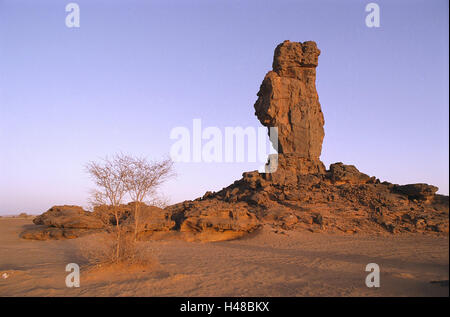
264 264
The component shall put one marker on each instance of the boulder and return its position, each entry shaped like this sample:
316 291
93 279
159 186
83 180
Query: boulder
280 216
218 216
418 191
153 218
63 222
66 216
340 173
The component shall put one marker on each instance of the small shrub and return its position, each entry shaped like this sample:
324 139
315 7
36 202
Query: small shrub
101 248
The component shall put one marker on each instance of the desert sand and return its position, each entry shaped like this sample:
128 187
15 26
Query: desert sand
265 263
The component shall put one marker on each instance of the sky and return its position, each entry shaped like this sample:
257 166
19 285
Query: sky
134 70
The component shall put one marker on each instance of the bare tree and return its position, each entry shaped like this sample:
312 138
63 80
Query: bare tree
142 179
109 176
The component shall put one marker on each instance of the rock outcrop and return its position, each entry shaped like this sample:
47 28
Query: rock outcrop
288 100
63 222
296 193
216 215
73 217
417 191
68 222
340 173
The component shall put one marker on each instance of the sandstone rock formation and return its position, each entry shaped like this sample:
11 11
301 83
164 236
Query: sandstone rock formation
68 217
300 195
63 222
288 100
151 218
347 174
417 191
68 222
214 215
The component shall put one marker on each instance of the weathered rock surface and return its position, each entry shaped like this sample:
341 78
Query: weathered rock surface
417 191
347 174
155 219
151 219
73 217
63 222
288 100
215 215
54 233
347 202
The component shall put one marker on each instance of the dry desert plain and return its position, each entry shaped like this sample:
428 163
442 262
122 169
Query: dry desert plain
265 263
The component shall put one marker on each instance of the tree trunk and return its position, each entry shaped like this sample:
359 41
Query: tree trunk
136 220
118 237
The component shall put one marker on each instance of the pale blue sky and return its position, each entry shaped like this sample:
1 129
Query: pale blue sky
136 69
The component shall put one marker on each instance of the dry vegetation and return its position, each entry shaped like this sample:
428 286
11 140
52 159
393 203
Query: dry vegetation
100 251
116 178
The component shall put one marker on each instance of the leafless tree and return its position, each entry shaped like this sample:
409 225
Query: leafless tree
142 179
109 176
